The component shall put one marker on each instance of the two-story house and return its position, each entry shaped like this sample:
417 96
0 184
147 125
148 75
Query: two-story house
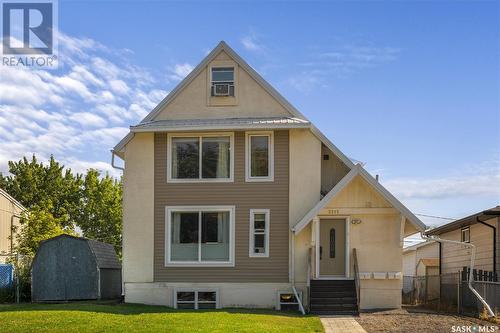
233 198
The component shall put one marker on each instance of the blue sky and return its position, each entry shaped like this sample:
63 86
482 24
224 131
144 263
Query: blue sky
409 88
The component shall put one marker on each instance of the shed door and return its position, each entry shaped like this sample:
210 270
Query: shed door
79 272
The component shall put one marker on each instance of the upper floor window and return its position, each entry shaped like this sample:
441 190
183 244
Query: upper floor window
222 81
259 156
200 157
466 235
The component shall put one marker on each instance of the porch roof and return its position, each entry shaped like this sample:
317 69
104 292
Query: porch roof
358 170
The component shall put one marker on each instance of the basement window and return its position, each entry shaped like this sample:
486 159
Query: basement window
196 299
288 302
466 235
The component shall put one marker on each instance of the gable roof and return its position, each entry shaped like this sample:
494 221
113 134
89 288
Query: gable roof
429 262
222 46
11 199
466 221
358 170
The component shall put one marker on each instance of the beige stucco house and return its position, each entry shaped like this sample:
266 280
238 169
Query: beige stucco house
233 198
10 217
481 229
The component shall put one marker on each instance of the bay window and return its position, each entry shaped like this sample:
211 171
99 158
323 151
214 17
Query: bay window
200 235
200 157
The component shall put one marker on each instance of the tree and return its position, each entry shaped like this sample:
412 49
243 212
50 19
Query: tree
59 201
101 210
48 186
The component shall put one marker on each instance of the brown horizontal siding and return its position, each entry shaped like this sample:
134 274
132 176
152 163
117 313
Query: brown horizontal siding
455 256
245 196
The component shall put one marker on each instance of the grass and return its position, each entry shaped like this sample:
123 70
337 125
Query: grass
91 317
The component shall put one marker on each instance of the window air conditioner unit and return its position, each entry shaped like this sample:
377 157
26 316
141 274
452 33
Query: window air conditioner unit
221 89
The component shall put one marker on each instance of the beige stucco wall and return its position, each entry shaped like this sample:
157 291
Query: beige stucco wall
305 173
245 295
252 99
138 204
9 215
304 191
455 256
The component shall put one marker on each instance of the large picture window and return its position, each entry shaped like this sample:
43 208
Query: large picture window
259 156
200 235
200 157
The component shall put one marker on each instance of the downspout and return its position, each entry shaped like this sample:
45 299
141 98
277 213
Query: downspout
292 277
494 243
472 258
113 161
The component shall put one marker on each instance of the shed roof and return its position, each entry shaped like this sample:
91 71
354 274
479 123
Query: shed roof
430 262
103 252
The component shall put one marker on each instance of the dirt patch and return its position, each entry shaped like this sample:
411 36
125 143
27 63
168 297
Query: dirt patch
404 321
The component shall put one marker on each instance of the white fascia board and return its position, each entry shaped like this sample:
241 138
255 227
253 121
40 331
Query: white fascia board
395 202
358 170
323 202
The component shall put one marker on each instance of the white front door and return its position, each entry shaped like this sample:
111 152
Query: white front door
332 244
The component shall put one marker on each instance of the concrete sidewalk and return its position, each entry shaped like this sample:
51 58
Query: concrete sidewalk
347 324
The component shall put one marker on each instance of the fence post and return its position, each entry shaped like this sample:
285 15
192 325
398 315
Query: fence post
17 278
458 295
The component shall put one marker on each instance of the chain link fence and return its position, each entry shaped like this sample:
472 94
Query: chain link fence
450 293
15 279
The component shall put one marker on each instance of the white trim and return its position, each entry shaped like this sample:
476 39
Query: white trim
270 177
200 136
347 272
196 291
251 235
216 127
358 170
168 221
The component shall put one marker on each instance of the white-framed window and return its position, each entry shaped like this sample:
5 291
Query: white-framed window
259 156
205 157
466 235
287 301
196 299
259 232
222 79
199 236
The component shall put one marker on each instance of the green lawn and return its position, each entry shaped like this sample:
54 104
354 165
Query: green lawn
88 317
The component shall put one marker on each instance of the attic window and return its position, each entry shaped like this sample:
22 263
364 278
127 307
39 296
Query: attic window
222 81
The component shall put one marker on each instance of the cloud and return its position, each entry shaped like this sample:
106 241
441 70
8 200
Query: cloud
341 61
480 180
78 111
180 71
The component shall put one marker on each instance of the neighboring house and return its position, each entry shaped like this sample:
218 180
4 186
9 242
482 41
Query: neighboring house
223 203
481 229
10 216
412 255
